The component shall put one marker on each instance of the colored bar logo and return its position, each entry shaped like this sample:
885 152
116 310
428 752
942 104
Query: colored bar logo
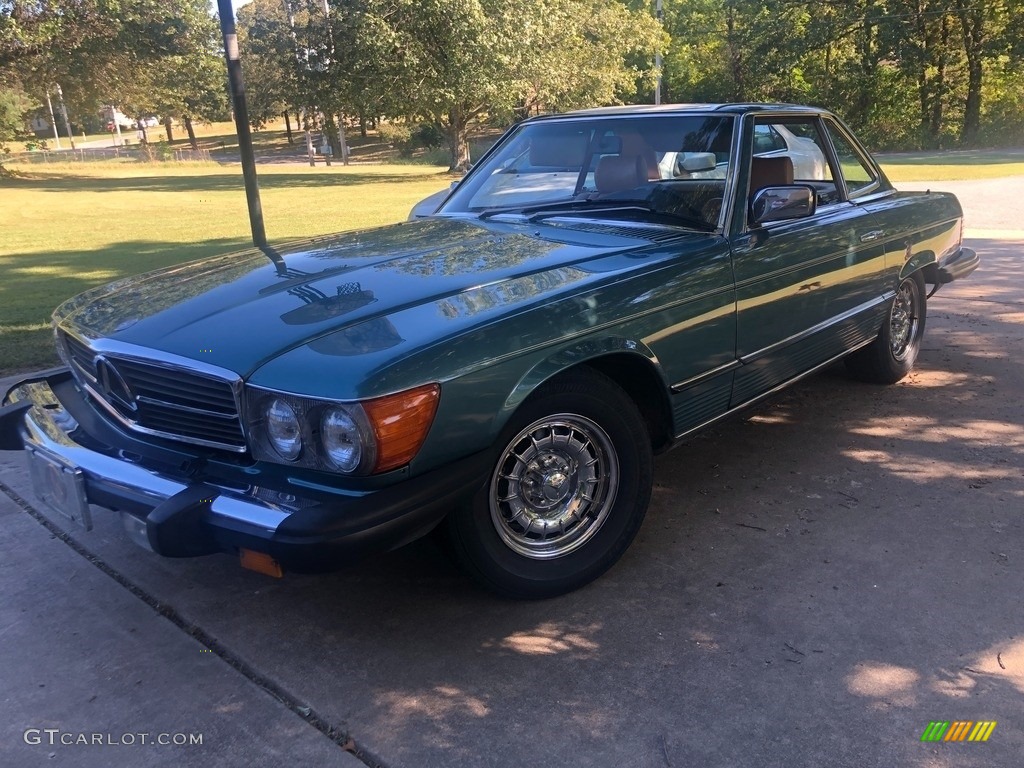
958 730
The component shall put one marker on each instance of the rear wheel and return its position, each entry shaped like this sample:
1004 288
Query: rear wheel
568 489
892 355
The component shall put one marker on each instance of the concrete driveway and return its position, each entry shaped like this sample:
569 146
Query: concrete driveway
813 585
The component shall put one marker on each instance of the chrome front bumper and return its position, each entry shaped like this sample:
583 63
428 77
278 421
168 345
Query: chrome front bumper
211 506
48 428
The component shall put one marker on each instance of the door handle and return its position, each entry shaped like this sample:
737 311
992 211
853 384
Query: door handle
810 286
874 234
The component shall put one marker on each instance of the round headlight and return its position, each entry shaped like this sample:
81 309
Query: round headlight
283 429
342 441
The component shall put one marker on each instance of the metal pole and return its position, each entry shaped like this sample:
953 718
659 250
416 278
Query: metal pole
657 55
64 114
53 120
252 189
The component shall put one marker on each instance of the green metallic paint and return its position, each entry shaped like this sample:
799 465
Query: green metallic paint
492 309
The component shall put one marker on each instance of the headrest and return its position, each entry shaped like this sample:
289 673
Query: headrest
770 172
615 173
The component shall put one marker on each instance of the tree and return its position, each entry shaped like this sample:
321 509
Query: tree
13 106
454 62
99 51
268 39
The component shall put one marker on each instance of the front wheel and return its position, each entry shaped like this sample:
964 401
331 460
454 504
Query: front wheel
892 354
568 489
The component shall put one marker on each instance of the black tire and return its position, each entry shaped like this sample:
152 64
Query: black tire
892 355
569 487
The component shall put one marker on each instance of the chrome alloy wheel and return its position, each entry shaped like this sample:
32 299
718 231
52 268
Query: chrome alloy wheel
554 486
903 320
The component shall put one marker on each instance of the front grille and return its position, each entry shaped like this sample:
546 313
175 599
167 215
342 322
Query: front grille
79 354
159 398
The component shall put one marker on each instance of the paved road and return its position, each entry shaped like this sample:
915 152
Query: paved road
813 585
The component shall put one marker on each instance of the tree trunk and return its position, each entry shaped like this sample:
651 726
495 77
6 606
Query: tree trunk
342 140
458 143
362 123
972 107
931 75
288 126
169 127
191 133
304 116
972 25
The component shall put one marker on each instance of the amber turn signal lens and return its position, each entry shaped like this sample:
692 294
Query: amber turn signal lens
261 562
400 423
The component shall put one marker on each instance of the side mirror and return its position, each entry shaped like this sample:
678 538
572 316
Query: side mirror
694 162
783 203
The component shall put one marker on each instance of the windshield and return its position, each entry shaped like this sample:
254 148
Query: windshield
666 167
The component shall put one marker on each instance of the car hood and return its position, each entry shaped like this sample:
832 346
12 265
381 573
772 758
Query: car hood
241 310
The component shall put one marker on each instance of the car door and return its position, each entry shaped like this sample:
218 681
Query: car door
808 288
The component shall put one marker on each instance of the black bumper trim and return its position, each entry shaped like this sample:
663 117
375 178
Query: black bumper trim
185 517
957 266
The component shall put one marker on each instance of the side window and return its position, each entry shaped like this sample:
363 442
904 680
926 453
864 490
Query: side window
799 156
767 139
859 176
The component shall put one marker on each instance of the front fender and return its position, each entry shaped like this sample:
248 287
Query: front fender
577 354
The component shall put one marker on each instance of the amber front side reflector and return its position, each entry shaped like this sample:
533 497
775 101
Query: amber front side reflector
261 563
401 422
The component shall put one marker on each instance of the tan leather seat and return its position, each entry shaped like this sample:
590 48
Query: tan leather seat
617 173
634 144
770 172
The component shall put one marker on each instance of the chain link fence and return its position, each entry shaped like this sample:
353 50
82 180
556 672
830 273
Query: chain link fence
139 153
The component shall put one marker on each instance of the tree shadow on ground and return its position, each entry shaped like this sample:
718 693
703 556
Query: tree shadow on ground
953 157
212 182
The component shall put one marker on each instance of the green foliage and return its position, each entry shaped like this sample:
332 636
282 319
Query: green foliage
108 51
449 64
13 105
905 73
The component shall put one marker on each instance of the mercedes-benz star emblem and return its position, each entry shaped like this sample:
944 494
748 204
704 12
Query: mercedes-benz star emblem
113 384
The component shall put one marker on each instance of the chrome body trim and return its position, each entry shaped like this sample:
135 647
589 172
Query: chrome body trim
730 366
103 348
47 426
867 305
778 387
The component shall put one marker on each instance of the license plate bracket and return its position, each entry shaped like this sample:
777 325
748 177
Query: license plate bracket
60 485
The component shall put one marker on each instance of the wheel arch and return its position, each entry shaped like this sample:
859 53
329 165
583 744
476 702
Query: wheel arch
630 364
923 262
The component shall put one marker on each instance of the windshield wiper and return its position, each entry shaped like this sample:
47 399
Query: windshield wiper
525 211
589 206
626 206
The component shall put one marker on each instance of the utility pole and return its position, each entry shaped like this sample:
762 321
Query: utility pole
64 114
241 110
657 54
53 120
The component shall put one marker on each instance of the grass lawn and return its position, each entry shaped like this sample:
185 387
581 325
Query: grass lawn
68 229
952 165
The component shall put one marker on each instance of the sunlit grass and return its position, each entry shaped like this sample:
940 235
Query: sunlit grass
953 165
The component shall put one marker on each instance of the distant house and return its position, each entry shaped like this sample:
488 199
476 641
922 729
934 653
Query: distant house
38 122
109 114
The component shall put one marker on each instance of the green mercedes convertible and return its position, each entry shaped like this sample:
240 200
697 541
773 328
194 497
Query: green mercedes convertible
600 286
